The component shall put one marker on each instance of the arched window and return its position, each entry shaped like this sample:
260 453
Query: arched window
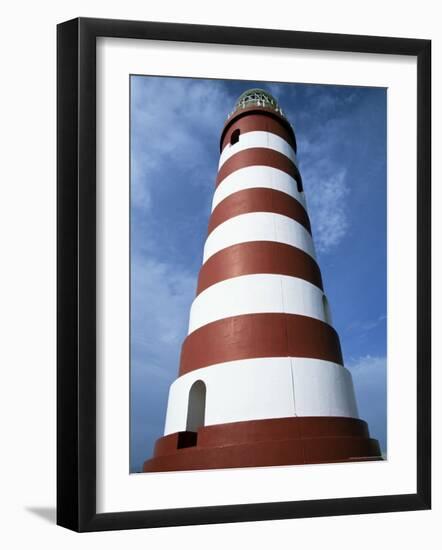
196 407
327 312
234 136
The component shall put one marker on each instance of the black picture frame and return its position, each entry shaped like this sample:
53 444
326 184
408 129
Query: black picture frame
76 273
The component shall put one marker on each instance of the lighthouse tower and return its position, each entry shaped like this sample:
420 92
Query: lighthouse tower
261 379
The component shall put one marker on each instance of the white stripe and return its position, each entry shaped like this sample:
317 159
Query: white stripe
266 140
257 293
257 176
271 387
258 226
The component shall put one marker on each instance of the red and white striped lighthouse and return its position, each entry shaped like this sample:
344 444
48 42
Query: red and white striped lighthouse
261 379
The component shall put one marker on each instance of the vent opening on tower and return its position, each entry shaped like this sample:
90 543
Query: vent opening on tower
234 138
196 408
187 439
299 184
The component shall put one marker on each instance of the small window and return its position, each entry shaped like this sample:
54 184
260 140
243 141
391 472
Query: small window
299 184
234 137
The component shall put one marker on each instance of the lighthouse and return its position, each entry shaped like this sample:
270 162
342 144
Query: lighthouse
261 379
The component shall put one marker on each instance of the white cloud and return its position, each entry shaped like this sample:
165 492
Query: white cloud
325 180
367 364
324 177
173 119
365 326
160 313
327 196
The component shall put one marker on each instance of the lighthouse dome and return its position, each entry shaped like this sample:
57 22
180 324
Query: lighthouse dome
258 97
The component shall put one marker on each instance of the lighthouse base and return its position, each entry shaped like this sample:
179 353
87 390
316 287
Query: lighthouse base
269 442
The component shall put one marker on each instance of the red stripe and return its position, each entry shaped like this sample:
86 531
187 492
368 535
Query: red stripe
258 200
268 429
266 442
260 122
257 156
258 257
259 335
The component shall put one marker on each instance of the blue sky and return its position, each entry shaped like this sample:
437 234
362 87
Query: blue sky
175 130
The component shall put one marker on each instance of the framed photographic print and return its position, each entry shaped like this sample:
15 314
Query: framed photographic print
243 274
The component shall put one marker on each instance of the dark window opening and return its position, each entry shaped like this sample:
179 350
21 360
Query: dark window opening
187 439
234 137
299 184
